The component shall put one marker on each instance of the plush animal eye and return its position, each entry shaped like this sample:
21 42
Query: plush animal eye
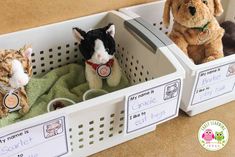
205 2
107 49
8 75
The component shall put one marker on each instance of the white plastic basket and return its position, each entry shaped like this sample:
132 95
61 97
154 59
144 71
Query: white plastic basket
98 124
193 100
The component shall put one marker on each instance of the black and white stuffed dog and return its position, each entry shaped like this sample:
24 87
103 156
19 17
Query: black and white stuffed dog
98 48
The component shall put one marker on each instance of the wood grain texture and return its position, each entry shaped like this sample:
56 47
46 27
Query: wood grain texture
178 138
21 14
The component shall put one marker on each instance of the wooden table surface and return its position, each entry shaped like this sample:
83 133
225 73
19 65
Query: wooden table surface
176 138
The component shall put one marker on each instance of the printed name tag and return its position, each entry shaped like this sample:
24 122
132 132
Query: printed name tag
152 106
42 140
213 83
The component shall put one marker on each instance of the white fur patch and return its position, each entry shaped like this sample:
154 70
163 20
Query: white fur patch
100 55
19 78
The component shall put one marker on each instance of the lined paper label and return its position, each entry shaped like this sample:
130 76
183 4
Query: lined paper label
152 106
214 82
47 139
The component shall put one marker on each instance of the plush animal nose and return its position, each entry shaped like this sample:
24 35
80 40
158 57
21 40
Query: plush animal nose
192 10
22 82
98 55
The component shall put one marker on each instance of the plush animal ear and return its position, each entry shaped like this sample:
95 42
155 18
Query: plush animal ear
218 8
27 51
166 14
110 29
79 34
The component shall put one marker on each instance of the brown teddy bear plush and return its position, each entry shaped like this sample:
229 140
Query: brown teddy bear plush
196 30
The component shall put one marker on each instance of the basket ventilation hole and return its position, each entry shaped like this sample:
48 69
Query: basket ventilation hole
102 119
111 129
101 139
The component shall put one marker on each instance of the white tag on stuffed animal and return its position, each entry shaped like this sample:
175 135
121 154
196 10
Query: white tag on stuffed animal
104 71
12 102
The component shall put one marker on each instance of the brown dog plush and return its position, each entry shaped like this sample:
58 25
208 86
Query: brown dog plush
196 30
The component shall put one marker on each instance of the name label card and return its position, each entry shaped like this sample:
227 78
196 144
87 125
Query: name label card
46 139
152 106
213 83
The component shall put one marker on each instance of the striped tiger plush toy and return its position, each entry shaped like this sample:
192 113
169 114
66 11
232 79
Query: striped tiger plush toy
15 72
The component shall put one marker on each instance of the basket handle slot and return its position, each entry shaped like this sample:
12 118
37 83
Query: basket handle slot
157 33
144 34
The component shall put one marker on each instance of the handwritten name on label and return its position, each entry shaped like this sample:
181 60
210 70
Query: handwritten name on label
152 106
35 141
214 82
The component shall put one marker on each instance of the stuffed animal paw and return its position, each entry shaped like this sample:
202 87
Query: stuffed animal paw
115 77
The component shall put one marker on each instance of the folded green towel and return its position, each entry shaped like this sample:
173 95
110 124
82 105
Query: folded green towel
67 82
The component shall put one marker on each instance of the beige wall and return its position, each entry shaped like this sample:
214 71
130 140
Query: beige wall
21 14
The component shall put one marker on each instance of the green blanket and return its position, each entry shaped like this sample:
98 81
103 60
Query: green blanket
67 81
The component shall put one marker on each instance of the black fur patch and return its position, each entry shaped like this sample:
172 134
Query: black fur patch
87 45
229 38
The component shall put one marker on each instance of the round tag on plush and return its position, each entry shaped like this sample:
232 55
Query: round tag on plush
104 71
12 102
